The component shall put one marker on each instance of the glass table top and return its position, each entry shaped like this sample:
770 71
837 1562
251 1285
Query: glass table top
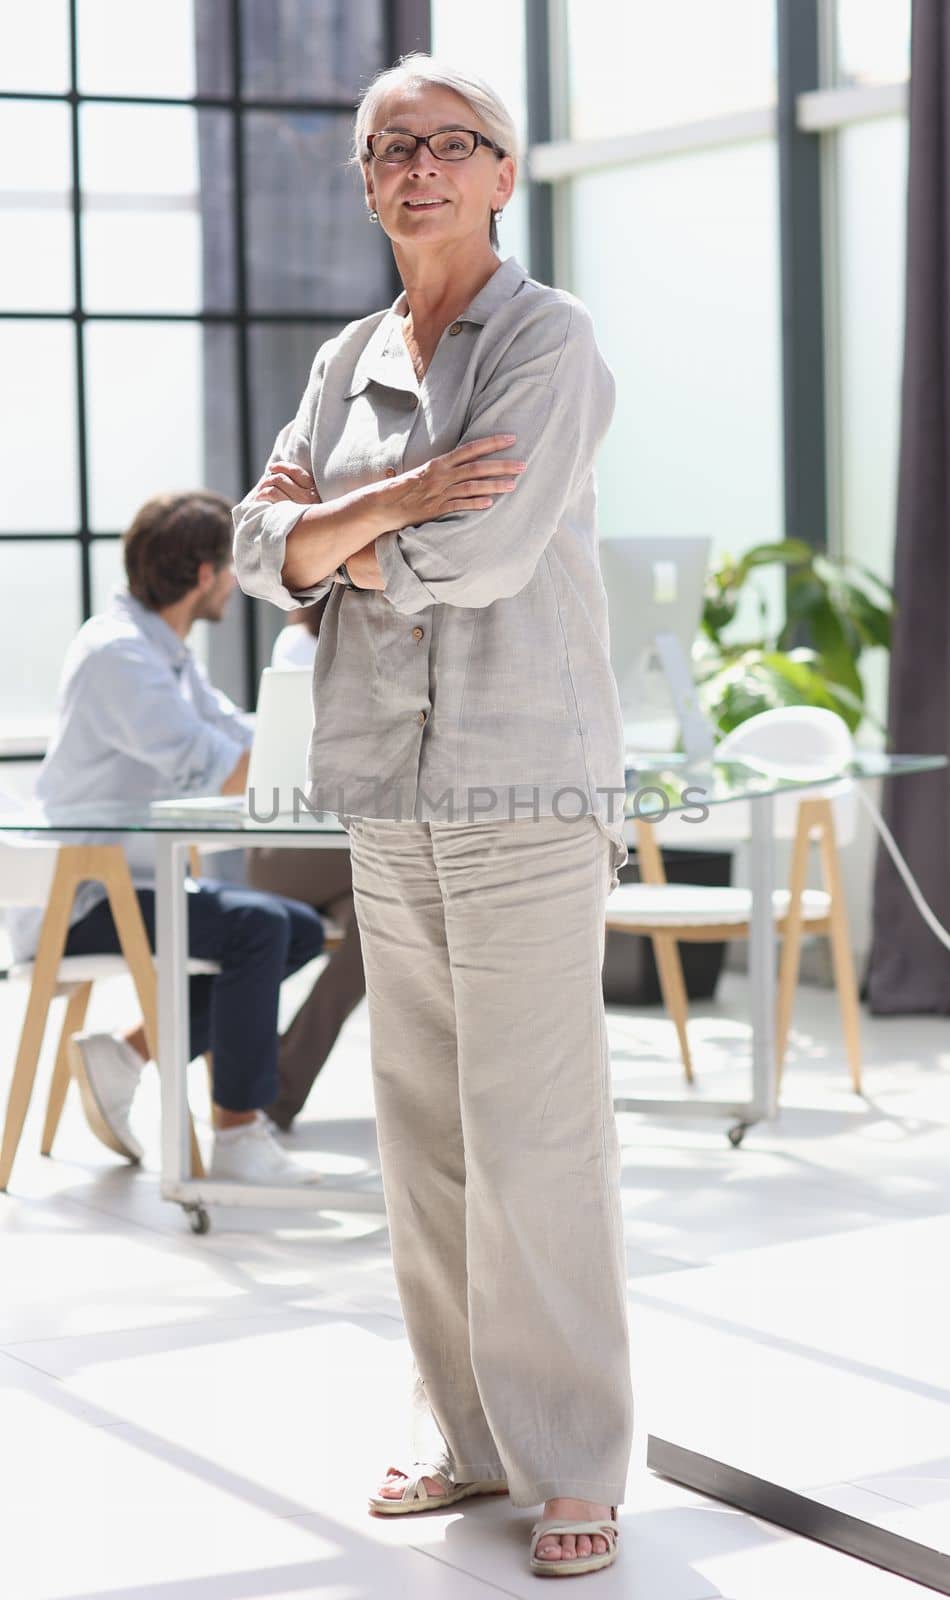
656 784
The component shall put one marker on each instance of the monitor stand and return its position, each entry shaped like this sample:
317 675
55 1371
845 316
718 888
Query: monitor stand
699 740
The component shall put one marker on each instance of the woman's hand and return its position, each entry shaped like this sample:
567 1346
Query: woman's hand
363 568
458 481
283 481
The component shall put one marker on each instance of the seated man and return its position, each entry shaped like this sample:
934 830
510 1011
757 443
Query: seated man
137 720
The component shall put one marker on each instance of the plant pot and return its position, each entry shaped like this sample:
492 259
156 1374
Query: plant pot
630 975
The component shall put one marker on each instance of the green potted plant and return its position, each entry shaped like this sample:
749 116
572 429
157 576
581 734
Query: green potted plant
834 612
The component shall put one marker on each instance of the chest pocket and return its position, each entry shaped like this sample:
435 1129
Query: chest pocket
375 425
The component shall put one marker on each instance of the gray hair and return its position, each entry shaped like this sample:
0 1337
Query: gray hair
417 68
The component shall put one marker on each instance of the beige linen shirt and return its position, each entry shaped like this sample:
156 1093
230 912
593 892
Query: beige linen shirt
477 685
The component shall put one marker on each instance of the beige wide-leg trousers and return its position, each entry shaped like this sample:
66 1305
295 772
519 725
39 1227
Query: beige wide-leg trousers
483 945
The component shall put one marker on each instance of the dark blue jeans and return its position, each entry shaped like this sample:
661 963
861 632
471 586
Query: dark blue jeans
258 939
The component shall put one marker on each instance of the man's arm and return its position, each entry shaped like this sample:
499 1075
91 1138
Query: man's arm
236 781
142 712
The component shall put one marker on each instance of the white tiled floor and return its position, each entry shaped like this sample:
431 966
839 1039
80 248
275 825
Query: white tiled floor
201 1419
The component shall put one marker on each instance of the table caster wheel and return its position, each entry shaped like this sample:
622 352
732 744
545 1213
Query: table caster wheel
198 1218
737 1134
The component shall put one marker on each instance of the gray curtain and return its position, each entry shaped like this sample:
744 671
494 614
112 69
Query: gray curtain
909 970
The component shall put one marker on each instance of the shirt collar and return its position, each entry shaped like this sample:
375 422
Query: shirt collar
386 359
502 284
156 630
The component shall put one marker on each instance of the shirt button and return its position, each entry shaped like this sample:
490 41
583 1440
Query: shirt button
417 633
420 716
390 472
455 328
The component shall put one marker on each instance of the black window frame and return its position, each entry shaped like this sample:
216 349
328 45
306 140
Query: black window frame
406 26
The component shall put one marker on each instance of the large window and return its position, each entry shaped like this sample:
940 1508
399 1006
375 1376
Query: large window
871 41
494 50
668 230
678 261
640 64
665 168
182 233
185 232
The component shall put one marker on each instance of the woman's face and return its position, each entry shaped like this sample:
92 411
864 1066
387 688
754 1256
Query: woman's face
467 191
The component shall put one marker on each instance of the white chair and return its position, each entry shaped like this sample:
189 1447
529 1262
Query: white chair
34 873
792 740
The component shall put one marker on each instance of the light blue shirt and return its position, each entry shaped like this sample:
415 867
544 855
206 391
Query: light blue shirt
136 720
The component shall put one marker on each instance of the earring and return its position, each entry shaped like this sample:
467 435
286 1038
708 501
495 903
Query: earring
373 216
499 213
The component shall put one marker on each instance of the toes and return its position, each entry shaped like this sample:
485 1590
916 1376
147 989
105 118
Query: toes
571 1547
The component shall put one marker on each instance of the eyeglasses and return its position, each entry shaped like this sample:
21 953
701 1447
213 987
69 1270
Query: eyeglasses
451 144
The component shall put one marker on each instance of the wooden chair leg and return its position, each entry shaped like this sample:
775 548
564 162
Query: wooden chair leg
792 936
42 990
76 1007
840 938
673 989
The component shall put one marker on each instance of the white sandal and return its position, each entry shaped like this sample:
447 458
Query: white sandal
561 1568
415 1496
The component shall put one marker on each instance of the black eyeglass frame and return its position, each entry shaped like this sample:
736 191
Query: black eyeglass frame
424 138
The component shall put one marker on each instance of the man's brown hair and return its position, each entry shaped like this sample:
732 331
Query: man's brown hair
169 538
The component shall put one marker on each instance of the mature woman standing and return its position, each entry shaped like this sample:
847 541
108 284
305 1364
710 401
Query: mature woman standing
437 482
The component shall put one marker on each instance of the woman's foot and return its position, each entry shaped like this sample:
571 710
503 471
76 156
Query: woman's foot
569 1546
395 1482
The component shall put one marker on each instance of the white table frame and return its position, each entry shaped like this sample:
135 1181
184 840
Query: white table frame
193 1194
763 1104
196 1194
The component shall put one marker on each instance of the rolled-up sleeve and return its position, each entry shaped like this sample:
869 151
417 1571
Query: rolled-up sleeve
262 528
141 713
555 392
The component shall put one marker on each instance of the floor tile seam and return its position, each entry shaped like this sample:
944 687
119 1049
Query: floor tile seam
778 1345
454 1566
12 1346
52 1377
708 1593
218 1477
892 1500
861 1191
161 1231
308 1516
125 1332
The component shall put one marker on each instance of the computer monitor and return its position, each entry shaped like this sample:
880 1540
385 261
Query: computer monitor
655 605
277 770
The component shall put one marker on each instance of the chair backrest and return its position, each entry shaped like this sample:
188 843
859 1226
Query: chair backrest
282 729
26 871
791 741
790 738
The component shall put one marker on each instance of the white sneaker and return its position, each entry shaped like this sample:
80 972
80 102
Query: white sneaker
250 1153
108 1072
